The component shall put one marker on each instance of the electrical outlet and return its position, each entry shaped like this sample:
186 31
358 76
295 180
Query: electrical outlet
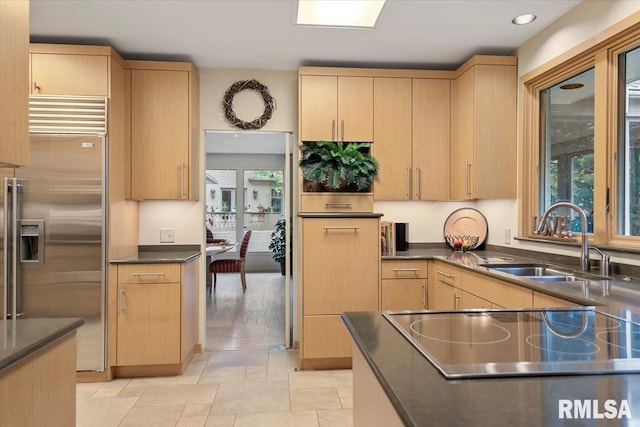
167 235
507 236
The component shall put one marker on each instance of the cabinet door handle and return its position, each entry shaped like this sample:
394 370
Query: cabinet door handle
182 180
406 269
336 227
456 298
424 295
418 189
333 129
338 205
408 182
159 273
467 178
121 301
442 273
342 129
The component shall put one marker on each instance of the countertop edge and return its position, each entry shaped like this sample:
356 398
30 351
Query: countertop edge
16 357
135 259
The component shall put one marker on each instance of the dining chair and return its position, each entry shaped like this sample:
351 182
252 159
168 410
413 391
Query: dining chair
232 265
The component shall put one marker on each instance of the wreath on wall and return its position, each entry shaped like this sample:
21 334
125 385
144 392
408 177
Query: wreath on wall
258 122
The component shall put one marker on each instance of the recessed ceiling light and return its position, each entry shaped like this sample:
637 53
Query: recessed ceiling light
344 13
525 19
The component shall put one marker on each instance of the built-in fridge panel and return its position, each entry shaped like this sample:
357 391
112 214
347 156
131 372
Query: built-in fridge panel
59 230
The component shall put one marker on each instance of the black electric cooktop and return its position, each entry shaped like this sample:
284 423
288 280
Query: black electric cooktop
496 343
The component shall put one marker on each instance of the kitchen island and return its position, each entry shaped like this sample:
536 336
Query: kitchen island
38 372
389 370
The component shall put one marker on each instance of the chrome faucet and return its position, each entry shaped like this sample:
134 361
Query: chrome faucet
604 262
584 252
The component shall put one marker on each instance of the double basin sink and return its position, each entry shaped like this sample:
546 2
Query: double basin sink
541 272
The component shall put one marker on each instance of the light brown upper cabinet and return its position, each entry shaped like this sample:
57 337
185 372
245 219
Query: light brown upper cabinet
336 108
412 121
14 85
69 74
484 132
164 130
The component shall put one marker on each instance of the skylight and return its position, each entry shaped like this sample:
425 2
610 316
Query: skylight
343 13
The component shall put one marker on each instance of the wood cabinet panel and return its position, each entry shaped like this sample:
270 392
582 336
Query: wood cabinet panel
431 136
504 294
14 84
355 108
405 269
392 138
470 301
189 325
541 300
403 294
325 337
149 273
148 324
336 202
447 297
340 264
318 108
60 74
448 274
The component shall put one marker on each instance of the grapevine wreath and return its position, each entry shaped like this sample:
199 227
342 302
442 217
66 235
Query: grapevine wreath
258 122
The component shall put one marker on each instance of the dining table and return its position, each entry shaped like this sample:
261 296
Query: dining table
212 251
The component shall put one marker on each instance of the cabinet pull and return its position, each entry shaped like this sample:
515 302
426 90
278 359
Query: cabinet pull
333 129
408 182
456 298
148 274
338 205
442 273
336 227
342 129
424 295
467 178
418 190
121 301
182 168
406 269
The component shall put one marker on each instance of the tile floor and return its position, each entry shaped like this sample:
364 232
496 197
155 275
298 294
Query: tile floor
244 378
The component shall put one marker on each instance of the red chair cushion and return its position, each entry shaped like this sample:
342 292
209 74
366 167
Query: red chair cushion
225 266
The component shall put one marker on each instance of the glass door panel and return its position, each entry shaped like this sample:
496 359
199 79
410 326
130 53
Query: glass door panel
263 196
221 201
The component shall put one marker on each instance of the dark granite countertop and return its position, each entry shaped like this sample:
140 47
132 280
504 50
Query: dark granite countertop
153 254
422 396
20 338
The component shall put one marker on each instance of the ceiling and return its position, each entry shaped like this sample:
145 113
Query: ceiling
261 34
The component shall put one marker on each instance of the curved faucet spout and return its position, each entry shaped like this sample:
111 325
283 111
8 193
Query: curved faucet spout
584 252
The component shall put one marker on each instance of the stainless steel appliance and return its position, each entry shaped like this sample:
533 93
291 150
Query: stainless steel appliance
475 343
53 239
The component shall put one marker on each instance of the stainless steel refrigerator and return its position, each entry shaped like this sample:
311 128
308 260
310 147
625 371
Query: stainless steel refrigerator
53 239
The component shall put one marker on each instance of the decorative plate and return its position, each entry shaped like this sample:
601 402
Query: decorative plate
466 224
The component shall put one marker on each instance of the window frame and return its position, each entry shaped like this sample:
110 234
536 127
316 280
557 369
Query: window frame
601 52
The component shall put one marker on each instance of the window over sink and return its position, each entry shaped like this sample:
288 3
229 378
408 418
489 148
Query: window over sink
580 135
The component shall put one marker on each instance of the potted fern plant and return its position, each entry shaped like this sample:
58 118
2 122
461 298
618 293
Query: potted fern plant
337 166
278 244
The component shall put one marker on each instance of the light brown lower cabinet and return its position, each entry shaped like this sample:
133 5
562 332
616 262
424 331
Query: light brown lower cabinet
157 317
404 285
40 390
371 406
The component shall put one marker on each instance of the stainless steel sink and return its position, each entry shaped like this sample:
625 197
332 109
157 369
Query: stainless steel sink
553 278
528 270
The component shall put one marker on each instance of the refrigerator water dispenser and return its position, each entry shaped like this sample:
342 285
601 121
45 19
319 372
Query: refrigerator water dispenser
32 241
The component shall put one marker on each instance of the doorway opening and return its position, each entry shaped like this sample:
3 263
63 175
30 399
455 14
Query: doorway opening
248 187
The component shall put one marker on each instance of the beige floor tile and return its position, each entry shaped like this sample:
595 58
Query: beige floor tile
308 399
263 396
189 394
196 410
86 390
132 391
256 373
111 389
162 416
222 374
278 419
238 358
202 357
320 379
221 420
195 368
192 421
172 380
346 396
103 412
336 418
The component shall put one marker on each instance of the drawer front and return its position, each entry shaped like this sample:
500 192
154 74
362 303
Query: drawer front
409 269
149 273
448 274
336 203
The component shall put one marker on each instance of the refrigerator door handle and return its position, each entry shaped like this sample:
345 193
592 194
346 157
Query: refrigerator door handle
14 261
